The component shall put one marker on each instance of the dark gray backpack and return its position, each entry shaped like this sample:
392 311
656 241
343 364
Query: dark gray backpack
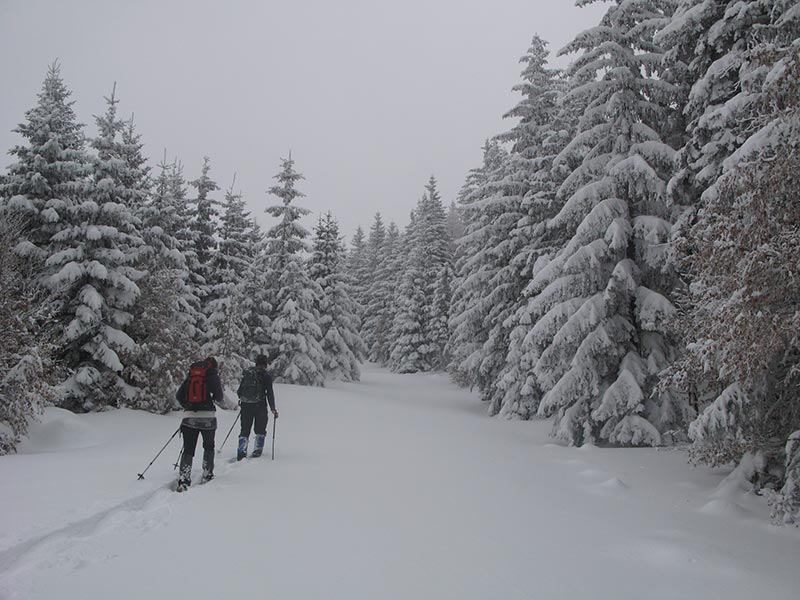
248 387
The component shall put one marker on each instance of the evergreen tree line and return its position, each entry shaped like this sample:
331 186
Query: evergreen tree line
402 285
628 265
115 278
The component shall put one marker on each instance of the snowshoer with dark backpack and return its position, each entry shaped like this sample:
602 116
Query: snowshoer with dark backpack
255 391
198 394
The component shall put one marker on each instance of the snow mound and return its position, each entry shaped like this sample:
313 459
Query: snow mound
724 507
58 430
610 486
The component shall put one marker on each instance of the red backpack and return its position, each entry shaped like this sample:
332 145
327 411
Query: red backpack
196 388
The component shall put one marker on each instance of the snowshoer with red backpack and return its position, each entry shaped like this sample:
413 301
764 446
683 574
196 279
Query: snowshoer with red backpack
198 394
255 391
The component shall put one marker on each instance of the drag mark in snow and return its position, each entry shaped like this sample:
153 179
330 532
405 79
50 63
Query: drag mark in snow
76 545
80 543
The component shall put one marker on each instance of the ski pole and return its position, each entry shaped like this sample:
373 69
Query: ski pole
141 475
229 431
178 462
274 422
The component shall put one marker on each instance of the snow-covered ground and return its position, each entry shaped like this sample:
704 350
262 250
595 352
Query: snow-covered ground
396 487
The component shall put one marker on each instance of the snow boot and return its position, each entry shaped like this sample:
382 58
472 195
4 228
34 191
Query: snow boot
208 466
184 474
259 448
242 451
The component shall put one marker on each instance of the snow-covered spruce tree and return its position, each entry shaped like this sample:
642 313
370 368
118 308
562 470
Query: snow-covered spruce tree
438 327
26 360
166 312
204 226
92 272
413 346
374 328
186 236
225 326
160 327
515 238
707 44
455 228
472 271
388 279
341 342
614 284
50 169
258 297
136 176
408 326
436 259
547 125
496 209
295 335
357 270
741 324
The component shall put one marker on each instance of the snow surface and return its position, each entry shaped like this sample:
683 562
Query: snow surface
396 487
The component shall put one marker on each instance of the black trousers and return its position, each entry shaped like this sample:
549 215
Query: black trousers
190 435
254 411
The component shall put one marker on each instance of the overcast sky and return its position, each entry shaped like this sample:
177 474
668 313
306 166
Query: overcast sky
371 97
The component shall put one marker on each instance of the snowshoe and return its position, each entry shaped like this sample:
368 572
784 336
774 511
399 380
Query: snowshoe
182 486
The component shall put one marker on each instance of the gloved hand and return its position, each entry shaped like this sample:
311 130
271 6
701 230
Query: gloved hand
274 413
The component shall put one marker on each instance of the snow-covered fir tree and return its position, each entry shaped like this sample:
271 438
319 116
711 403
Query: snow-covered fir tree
92 272
225 326
47 176
542 132
415 344
455 228
435 257
409 351
136 176
608 305
258 297
512 239
173 197
438 327
375 329
387 281
50 169
295 336
341 342
473 270
357 270
163 320
204 227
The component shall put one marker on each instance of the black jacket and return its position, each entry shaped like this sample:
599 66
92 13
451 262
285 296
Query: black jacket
213 390
264 391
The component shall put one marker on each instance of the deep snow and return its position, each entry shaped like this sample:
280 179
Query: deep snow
395 487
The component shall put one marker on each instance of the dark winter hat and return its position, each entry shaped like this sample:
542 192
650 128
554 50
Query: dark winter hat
261 360
212 361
